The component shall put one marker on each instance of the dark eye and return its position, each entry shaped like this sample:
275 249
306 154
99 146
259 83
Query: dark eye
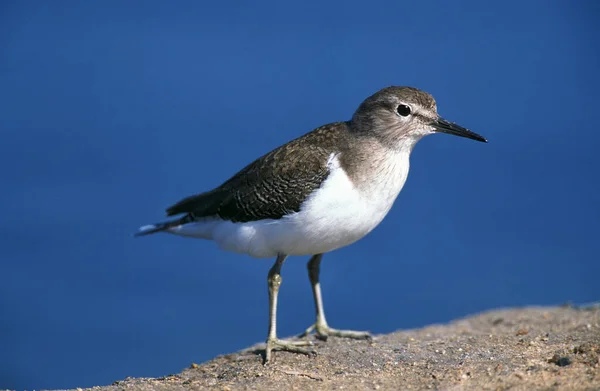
403 110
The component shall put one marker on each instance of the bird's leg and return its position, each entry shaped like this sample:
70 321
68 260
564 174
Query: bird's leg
321 327
273 343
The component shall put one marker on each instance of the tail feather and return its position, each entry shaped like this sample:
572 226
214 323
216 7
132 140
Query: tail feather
159 227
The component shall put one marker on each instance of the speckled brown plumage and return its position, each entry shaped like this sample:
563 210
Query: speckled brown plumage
274 185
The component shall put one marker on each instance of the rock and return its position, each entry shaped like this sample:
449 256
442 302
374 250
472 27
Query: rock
474 353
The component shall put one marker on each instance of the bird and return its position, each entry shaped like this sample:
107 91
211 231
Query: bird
315 194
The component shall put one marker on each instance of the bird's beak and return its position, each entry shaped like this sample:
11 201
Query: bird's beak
441 125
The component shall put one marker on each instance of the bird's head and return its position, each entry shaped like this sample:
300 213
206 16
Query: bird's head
402 116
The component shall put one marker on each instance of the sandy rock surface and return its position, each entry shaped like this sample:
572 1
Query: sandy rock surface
554 348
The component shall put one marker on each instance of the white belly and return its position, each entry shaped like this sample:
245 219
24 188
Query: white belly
336 215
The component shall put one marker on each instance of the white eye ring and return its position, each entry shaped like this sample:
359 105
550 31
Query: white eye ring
403 110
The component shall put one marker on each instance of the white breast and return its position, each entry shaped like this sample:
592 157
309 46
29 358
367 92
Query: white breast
336 215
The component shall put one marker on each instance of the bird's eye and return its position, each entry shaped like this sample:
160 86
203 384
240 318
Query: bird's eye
403 110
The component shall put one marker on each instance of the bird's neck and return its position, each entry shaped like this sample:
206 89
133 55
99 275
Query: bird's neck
374 166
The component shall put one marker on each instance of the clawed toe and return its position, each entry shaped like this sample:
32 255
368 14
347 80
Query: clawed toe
322 332
288 346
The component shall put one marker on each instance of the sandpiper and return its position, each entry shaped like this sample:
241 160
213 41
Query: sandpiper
317 193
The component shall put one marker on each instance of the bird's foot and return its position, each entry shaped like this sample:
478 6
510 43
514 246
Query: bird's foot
288 346
322 331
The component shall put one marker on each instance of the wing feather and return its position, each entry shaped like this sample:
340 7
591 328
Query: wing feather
272 186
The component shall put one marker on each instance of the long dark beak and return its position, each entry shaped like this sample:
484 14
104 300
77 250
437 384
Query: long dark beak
441 125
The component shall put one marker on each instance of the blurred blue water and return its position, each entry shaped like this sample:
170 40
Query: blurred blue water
111 112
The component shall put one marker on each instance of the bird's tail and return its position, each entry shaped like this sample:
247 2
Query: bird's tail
159 227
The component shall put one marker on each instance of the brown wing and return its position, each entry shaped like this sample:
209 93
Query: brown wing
272 186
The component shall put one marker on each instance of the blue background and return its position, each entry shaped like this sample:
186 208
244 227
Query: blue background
109 113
